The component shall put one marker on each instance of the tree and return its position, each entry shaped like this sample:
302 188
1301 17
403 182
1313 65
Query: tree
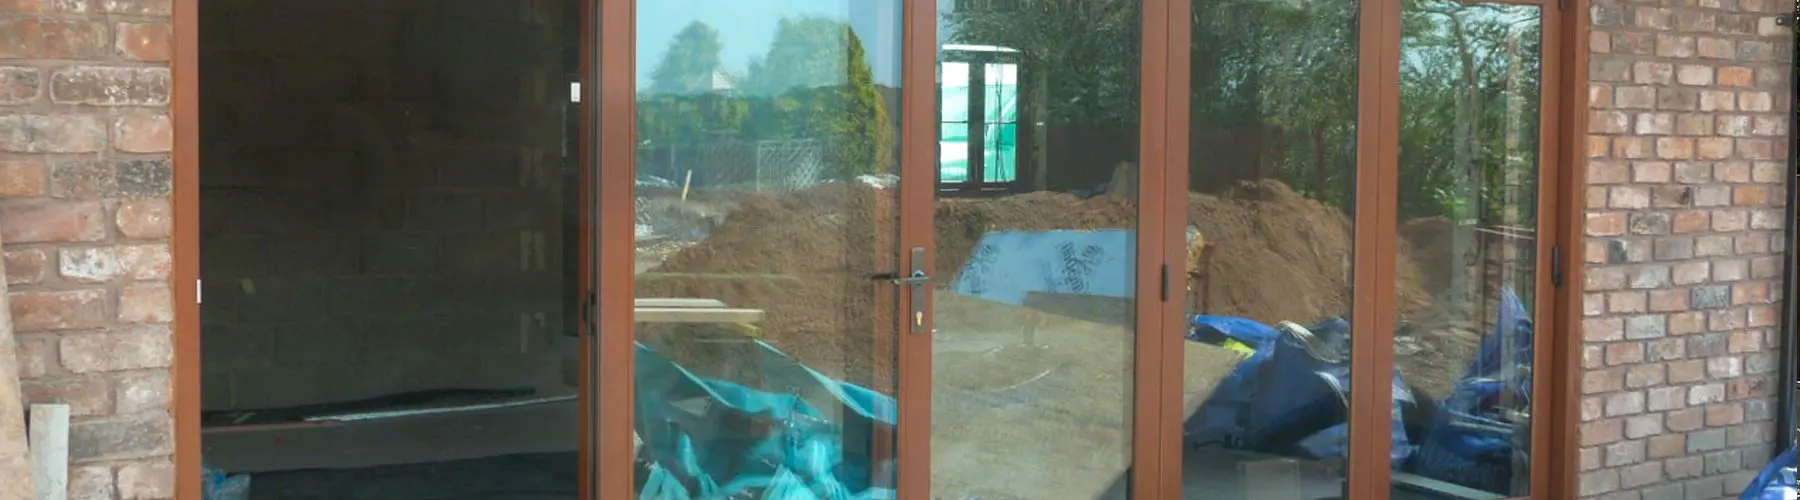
863 135
688 65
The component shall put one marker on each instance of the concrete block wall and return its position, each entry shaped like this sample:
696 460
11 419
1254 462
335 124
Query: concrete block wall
382 200
84 212
1687 173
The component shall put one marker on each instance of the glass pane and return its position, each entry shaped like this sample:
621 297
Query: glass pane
953 159
765 355
1468 218
390 213
1035 317
999 151
1270 243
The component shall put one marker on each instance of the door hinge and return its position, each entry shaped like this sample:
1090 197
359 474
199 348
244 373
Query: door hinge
197 296
1165 282
1556 265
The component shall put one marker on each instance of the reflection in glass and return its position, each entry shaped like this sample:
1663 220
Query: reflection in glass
1468 218
1270 241
1036 238
768 138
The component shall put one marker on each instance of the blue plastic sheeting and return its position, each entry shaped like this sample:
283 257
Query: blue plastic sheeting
1469 443
1775 482
1304 413
1008 265
714 439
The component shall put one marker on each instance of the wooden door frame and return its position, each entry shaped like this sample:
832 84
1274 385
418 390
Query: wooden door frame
608 57
1562 174
184 275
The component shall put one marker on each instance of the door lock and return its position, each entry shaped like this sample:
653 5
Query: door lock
919 282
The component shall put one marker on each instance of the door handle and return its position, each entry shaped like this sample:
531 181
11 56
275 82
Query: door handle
918 281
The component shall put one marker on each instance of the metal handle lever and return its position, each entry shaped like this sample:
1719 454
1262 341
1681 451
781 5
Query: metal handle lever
919 282
918 278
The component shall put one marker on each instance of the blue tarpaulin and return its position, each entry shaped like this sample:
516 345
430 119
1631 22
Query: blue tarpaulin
1775 482
1305 411
1006 266
707 438
1469 441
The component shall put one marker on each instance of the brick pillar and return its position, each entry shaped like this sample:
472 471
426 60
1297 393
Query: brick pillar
1684 223
84 212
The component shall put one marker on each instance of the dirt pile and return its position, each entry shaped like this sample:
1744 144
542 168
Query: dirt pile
806 258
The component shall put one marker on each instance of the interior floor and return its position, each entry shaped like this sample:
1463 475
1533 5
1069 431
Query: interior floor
538 476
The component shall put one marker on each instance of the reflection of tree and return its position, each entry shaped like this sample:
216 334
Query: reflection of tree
1469 94
1286 71
814 83
1088 48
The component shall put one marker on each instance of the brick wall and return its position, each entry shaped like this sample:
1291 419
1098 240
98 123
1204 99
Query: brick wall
1687 168
382 202
84 211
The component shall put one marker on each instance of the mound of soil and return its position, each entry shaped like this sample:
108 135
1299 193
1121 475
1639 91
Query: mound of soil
805 257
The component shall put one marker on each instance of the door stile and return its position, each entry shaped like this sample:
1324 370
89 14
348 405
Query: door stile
586 411
613 398
918 163
1154 279
1174 189
1372 316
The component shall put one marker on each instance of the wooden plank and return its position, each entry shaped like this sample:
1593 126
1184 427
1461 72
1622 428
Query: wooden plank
673 302
705 315
50 451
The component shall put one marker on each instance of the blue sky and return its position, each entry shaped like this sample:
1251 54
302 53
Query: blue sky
746 27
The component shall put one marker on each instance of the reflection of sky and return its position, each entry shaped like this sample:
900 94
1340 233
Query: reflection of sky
746 27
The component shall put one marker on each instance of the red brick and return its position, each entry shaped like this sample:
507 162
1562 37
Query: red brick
1756 101
94 481
85 395
145 304
148 390
37 355
52 222
110 86
65 310
1724 414
1601 432
147 480
1602 381
1624 353
135 7
23 179
1713 148
67 133
24 267
1681 372
143 133
1627 302
144 42
1736 76
128 349
42 38
1745 388
1685 420
1674 148
1750 293
1633 147
145 262
1667 446
42 6
145 218
1609 224
1691 221
1687 323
